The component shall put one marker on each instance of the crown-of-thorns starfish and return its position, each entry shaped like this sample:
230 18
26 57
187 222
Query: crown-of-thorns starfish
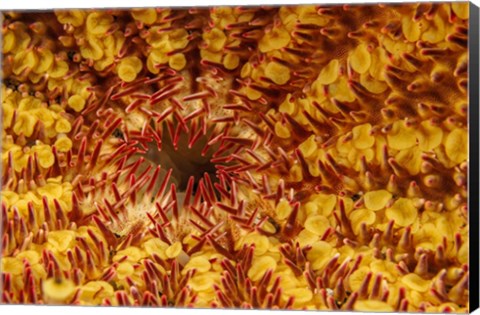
296 157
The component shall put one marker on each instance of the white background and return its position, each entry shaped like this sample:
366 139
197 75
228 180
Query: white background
49 4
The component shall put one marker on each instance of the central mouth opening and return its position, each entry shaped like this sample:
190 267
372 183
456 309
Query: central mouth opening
184 161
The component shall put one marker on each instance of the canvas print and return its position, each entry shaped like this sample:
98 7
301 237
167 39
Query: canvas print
268 157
